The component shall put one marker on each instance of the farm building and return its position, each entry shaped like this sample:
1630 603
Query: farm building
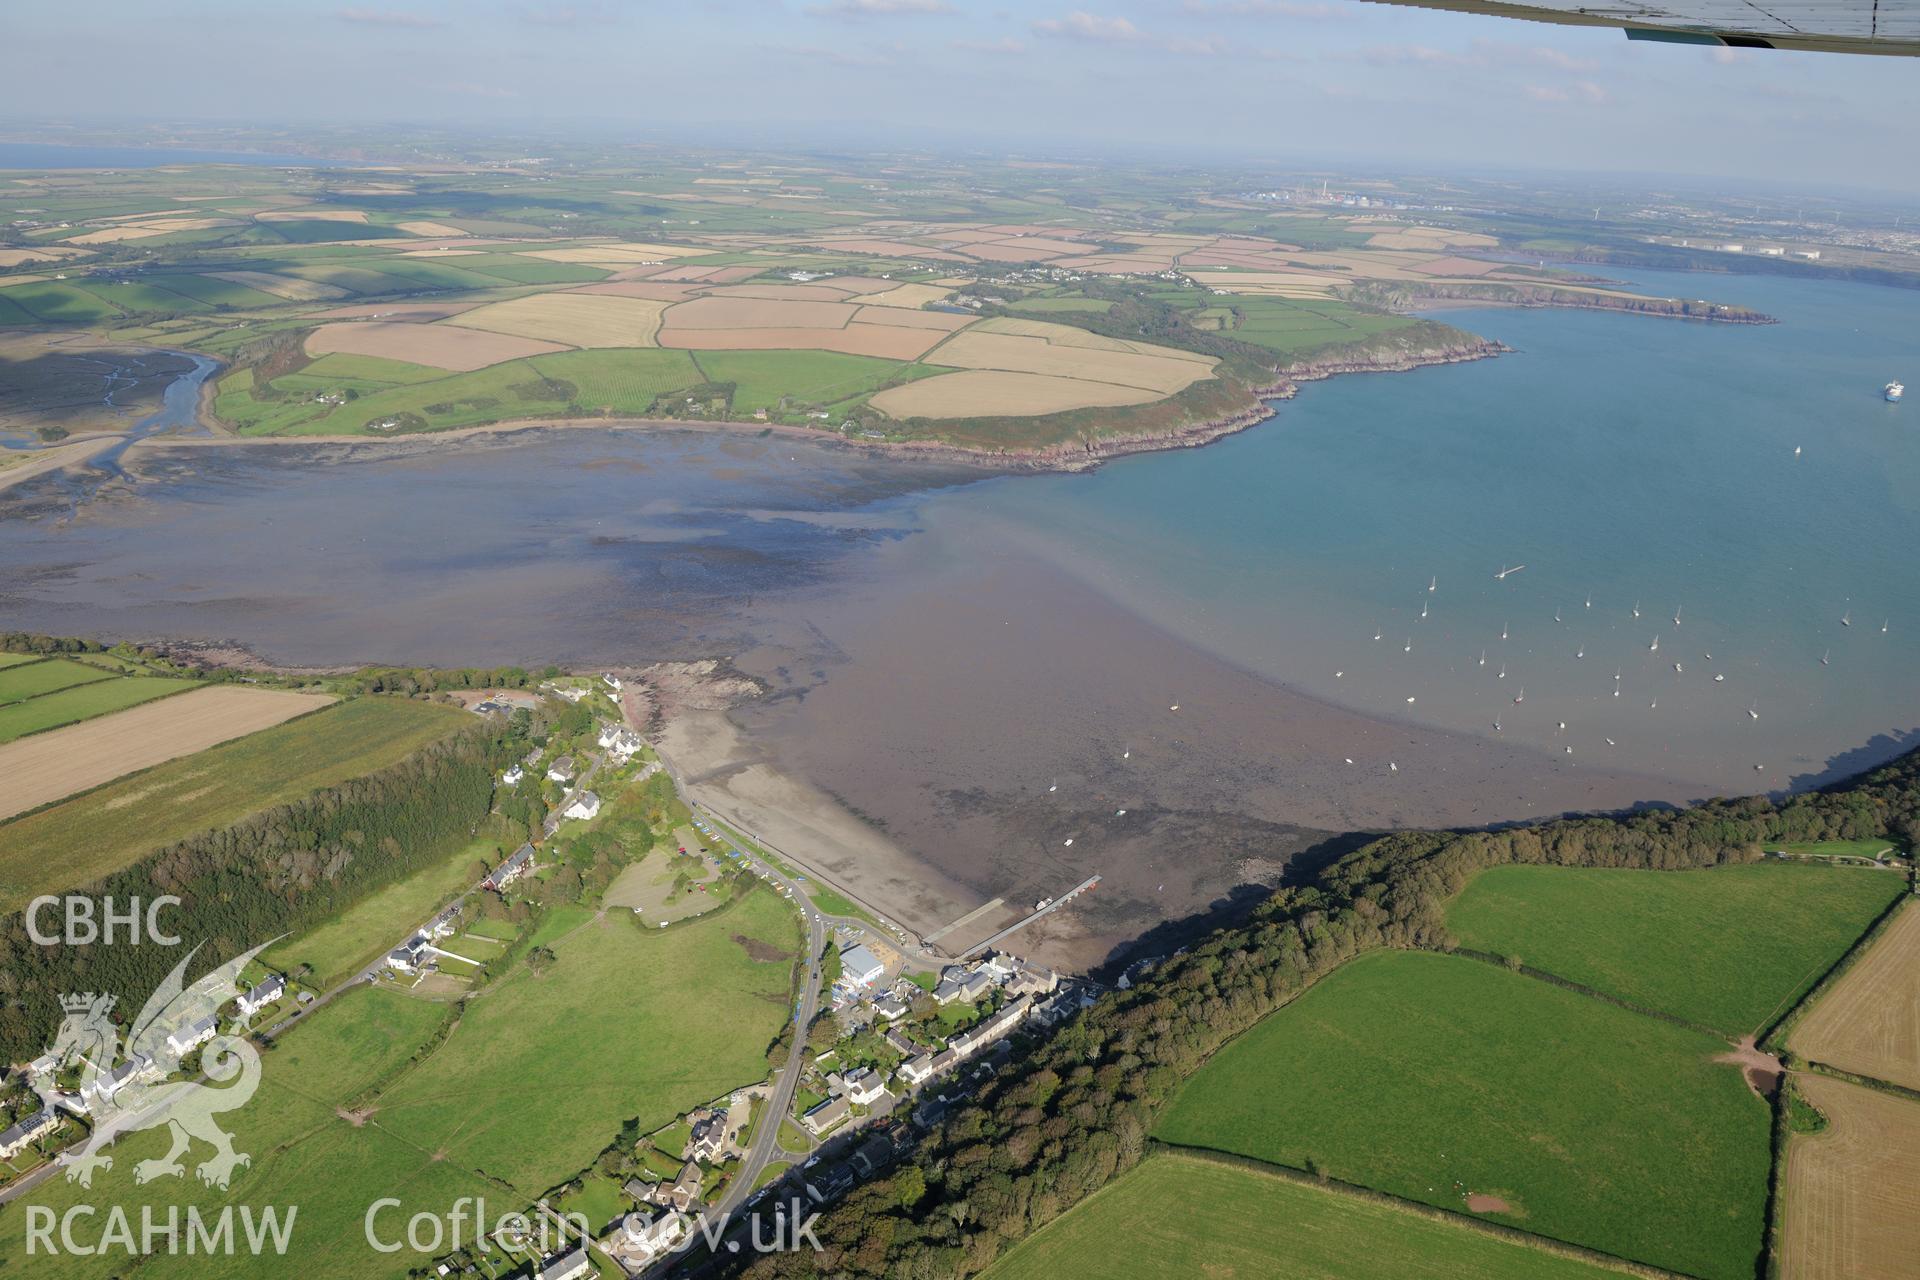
860 966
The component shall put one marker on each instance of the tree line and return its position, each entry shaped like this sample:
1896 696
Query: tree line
1075 1112
275 872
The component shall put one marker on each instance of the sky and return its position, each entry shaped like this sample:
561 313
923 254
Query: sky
1280 81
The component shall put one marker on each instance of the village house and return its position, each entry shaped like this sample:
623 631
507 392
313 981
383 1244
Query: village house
825 1115
187 1038
561 770
961 985
612 681
829 1183
621 742
864 1087
860 966
873 1154
512 869
1062 1006
585 806
511 778
1031 980
18 1137
99 1092
916 1070
649 1234
707 1138
409 956
642 1191
889 1007
568 1265
683 1193
263 994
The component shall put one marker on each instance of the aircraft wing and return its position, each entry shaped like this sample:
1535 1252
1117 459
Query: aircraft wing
1826 26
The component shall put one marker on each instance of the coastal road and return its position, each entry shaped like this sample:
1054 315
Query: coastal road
788 1079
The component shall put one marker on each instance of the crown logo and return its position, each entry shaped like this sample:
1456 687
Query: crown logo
83 1001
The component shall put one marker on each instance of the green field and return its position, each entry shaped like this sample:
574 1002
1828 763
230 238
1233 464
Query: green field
1057 305
16 659
361 934
1300 327
1174 1210
764 378
84 702
20 682
305 1155
620 380
626 1022
79 840
1730 948
1433 1077
55 303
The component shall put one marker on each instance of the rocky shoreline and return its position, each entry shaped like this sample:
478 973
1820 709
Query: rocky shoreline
1084 455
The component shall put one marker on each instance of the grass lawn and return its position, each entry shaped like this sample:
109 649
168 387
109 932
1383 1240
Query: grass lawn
558 923
84 702
625 1023
78 840
599 1200
20 682
304 1154
499 930
772 1171
834 904
1433 1077
792 1139
1159 1218
364 932
1730 948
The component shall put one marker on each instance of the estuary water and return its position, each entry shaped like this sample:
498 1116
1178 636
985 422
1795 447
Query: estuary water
1742 497
1165 671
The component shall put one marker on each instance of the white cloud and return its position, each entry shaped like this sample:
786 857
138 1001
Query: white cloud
1091 27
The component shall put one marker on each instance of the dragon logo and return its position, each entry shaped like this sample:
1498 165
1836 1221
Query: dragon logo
130 1091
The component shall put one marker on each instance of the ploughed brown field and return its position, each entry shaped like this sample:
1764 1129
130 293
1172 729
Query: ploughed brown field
442 346
1163 375
575 319
1869 1023
993 393
1851 1189
48 766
